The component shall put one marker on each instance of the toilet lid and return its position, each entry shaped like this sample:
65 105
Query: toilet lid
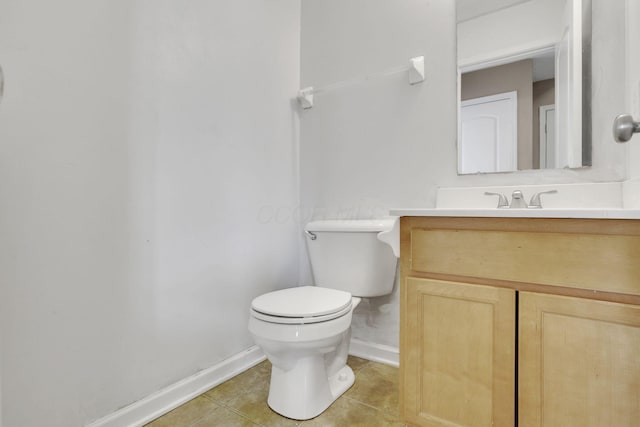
303 302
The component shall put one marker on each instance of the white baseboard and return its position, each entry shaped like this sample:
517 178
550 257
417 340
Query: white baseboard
375 352
163 401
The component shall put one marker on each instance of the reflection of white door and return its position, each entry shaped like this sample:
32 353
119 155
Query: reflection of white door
547 137
489 129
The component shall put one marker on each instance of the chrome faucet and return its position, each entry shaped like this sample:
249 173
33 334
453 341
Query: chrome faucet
517 200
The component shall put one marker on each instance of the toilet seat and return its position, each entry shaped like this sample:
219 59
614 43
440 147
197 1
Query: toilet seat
301 305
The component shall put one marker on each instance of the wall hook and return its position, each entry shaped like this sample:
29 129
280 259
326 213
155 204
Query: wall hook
624 127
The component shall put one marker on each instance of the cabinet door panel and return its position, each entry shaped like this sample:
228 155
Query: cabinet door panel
579 362
458 354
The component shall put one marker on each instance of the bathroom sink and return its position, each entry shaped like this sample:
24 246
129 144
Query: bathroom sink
594 213
610 200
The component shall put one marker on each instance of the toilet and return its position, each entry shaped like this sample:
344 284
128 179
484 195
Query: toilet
305 331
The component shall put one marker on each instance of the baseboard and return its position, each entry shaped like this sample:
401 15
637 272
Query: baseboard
375 352
163 401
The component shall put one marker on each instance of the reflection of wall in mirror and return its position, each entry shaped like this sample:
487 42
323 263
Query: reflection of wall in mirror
517 76
526 26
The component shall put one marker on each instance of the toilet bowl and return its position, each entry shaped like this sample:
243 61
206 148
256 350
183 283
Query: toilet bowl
305 331
308 353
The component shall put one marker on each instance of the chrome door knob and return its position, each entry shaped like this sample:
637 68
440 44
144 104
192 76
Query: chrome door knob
624 127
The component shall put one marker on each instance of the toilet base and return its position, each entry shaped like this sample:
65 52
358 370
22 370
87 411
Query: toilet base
302 400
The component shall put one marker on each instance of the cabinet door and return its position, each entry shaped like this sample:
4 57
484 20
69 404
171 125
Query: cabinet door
579 362
458 354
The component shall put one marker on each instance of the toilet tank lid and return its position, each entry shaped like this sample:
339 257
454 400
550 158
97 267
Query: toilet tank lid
351 225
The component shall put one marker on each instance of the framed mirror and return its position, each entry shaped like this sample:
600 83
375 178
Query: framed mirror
524 86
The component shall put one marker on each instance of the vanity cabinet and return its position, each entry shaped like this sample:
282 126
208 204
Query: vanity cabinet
517 318
458 360
579 362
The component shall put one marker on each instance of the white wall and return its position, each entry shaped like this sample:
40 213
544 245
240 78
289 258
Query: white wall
139 144
384 144
372 146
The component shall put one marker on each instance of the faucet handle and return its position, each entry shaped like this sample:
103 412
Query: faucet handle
535 202
502 199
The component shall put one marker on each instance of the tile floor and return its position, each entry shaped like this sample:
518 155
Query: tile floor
242 401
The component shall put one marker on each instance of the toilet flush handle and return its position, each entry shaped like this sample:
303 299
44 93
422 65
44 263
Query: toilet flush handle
311 235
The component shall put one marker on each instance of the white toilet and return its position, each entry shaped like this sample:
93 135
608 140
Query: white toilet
305 331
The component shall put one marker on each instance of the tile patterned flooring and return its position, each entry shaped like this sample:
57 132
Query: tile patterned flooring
242 401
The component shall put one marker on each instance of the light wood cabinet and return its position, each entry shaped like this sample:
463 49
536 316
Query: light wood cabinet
460 367
579 362
534 319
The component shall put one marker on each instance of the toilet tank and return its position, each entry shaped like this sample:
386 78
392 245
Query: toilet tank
348 255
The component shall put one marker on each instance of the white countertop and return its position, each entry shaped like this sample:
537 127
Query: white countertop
523 213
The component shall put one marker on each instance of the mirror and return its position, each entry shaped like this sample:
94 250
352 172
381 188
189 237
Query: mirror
524 85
